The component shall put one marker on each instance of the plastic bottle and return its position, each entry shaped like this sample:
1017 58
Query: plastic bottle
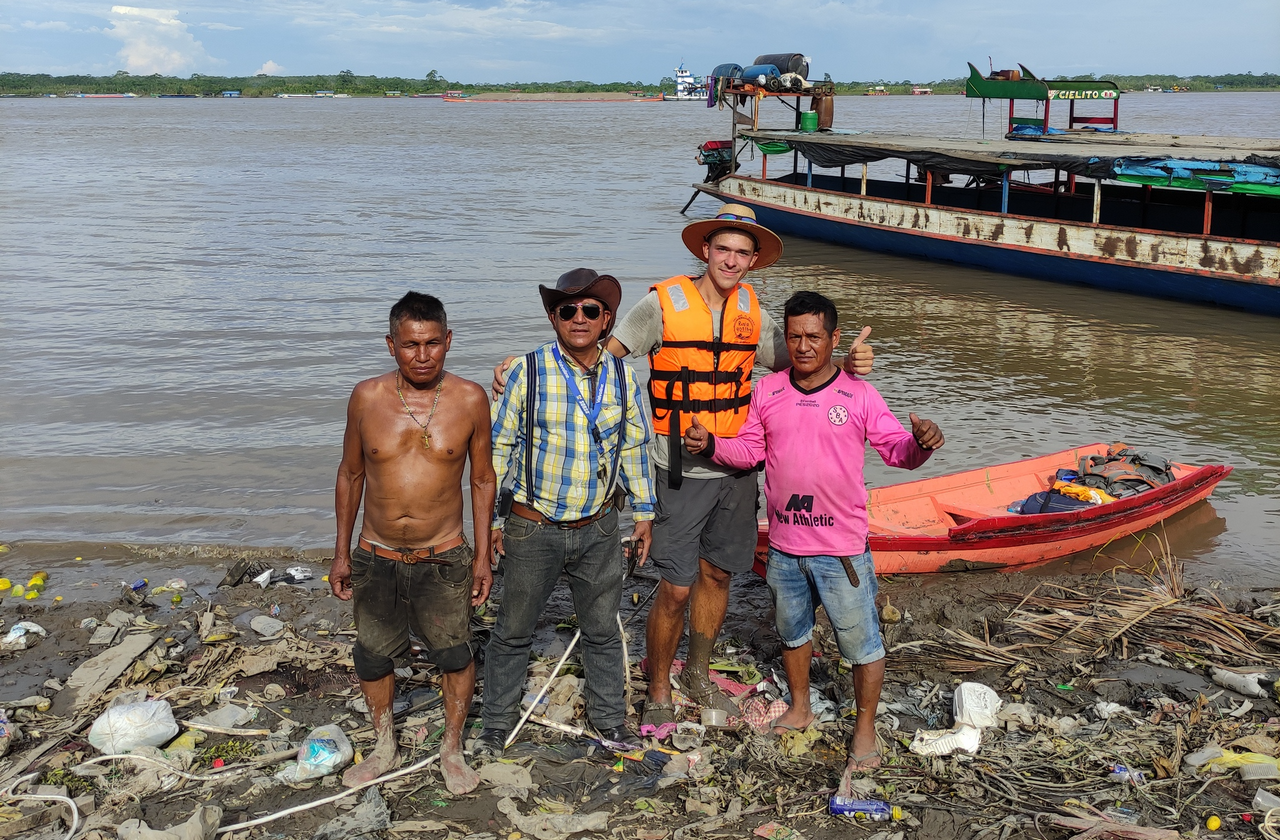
138 585
1120 773
874 810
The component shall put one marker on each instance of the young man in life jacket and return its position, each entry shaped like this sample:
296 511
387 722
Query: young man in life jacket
703 336
811 425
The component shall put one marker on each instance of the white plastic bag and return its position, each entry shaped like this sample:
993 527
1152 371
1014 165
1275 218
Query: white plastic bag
946 741
976 705
132 725
326 750
22 635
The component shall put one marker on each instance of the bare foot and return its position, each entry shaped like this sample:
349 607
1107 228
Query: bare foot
791 719
379 763
458 777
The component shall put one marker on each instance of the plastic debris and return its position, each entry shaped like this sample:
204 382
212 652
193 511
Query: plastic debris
553 826
874 810
1246 684
266 626
22 635
976 705
777 831
1120 773
508 780
6 733
946 741
1264 800
369 817
688 736
202 825
326 750
123 728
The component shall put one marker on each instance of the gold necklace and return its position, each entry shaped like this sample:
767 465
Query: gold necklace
426 427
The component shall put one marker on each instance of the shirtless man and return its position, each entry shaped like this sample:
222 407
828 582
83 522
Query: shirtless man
409 436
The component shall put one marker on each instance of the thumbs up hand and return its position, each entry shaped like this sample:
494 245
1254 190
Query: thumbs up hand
695 439
861 356
927 433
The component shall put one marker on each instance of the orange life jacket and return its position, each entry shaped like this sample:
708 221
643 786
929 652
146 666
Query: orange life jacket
692 373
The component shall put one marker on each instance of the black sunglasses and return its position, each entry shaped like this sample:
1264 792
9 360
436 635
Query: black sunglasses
567 311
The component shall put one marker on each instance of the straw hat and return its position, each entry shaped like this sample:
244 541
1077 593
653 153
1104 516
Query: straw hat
583 282
738 217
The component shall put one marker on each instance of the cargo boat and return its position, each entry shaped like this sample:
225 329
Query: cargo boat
961 522
1173 216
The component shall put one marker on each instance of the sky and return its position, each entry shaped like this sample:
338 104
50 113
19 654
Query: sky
474 41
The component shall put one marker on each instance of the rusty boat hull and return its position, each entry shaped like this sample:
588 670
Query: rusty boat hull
960 521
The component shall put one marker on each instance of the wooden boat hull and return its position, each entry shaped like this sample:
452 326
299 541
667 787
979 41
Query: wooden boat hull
959 522
1243 274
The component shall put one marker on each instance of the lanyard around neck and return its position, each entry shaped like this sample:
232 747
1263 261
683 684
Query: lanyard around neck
591 411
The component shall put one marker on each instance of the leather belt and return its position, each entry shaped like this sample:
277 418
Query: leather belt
525 512
412 556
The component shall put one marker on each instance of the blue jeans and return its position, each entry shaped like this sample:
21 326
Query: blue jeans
536 554
800 583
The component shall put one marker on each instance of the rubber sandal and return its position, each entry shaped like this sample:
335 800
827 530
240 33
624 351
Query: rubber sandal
658 714
859 759
706 694
773 724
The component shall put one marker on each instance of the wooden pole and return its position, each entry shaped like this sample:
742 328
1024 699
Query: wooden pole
1097 200
928 186
1208 211
764 168
864 179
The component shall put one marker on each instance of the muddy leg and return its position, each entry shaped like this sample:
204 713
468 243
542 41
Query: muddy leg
707 606
795 661
663 630
864 752
459 687
384 758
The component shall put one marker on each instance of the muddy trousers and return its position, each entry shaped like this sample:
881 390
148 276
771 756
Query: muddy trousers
591 557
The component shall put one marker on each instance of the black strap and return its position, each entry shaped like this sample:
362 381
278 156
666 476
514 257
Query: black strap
737 403
715 346
718 377
622 427
530 406
675 454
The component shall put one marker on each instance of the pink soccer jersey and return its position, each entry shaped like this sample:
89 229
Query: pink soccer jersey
812 444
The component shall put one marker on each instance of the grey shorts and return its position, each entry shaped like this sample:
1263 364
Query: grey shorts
433 600
709 518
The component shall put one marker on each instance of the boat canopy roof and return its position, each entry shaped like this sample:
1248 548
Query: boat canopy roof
1238 164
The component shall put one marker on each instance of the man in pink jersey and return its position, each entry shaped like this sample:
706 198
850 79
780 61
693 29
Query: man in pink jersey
810 425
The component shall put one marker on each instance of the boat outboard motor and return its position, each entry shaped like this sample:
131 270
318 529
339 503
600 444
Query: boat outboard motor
727 71
786 62
766 76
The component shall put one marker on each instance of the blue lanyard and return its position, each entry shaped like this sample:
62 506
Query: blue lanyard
592 411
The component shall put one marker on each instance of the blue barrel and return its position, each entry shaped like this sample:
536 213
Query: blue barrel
755 71
727 71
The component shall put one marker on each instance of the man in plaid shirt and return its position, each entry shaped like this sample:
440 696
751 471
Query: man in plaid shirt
570 447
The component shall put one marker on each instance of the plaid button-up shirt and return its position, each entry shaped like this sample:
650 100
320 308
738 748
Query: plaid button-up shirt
567 461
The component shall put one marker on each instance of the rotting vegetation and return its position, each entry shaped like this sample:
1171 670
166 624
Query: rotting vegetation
1094 671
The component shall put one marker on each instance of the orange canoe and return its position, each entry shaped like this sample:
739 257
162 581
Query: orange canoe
960 522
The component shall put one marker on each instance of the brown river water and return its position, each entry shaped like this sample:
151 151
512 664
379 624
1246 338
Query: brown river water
190 288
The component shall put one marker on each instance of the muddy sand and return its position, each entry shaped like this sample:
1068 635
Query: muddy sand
1097 666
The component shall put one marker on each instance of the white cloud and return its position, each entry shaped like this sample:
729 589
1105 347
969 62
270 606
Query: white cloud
222 27
269 69
56 25
155 41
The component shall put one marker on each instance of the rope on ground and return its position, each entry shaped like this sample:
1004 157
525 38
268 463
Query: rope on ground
413 768
8 793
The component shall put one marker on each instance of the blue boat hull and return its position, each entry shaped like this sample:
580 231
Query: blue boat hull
1152 282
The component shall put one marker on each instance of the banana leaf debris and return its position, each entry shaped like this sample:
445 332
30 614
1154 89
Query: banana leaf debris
1123 705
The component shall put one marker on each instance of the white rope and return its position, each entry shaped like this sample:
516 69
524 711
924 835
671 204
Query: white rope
8 793
577 634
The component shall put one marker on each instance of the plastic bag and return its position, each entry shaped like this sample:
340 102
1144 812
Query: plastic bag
132 725
326 750
22 635
976 705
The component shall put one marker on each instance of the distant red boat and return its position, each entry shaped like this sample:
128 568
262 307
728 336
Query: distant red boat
960 522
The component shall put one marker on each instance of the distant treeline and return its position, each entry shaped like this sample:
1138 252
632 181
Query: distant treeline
343 82
23 84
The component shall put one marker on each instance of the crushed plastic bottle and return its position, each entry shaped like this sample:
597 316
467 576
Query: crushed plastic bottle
874 810
1120 773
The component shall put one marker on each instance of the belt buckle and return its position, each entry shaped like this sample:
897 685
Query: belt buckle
408 557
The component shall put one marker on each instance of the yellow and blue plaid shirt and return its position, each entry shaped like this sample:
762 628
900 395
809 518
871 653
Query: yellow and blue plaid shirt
567 463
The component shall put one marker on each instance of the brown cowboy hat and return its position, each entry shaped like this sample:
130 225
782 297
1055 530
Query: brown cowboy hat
583 282
737 217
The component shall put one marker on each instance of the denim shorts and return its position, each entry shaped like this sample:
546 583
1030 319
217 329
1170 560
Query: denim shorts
433 600
799 584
